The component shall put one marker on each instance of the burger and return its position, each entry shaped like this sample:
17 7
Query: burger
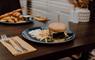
57 30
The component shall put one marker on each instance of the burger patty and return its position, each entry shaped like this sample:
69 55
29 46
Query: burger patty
58 35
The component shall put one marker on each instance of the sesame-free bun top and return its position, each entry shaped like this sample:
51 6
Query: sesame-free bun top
57 27
40 18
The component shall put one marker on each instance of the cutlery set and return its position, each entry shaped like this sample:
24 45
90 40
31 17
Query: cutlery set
16 45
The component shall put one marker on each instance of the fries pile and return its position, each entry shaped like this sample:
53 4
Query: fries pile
12 17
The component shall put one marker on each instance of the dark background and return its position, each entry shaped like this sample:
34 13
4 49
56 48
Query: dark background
92 9
9 5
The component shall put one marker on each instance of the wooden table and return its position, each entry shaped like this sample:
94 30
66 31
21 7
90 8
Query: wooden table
85 40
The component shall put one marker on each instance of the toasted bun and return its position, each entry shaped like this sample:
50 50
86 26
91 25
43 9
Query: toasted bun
38 18
57 27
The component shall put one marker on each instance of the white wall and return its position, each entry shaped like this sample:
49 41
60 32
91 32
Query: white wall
52 8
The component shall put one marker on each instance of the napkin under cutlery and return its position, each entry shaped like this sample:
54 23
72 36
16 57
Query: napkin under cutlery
18 46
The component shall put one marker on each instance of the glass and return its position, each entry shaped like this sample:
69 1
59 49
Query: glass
45 24
26 9
23 4
44 20
65 19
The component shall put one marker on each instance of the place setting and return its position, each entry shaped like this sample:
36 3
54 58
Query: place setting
48 33
16 45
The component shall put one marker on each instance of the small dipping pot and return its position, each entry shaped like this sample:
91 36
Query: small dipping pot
27 17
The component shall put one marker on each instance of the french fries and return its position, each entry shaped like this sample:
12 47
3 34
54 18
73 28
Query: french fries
12 17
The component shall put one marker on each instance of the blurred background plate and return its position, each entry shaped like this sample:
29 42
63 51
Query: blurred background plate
25 22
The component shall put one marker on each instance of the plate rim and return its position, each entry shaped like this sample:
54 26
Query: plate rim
34 40
27 21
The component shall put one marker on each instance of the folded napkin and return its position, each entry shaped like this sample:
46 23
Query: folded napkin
17 46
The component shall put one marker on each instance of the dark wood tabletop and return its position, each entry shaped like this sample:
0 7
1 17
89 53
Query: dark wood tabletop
85 39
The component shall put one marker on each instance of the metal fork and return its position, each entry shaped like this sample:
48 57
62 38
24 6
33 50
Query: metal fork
6 39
